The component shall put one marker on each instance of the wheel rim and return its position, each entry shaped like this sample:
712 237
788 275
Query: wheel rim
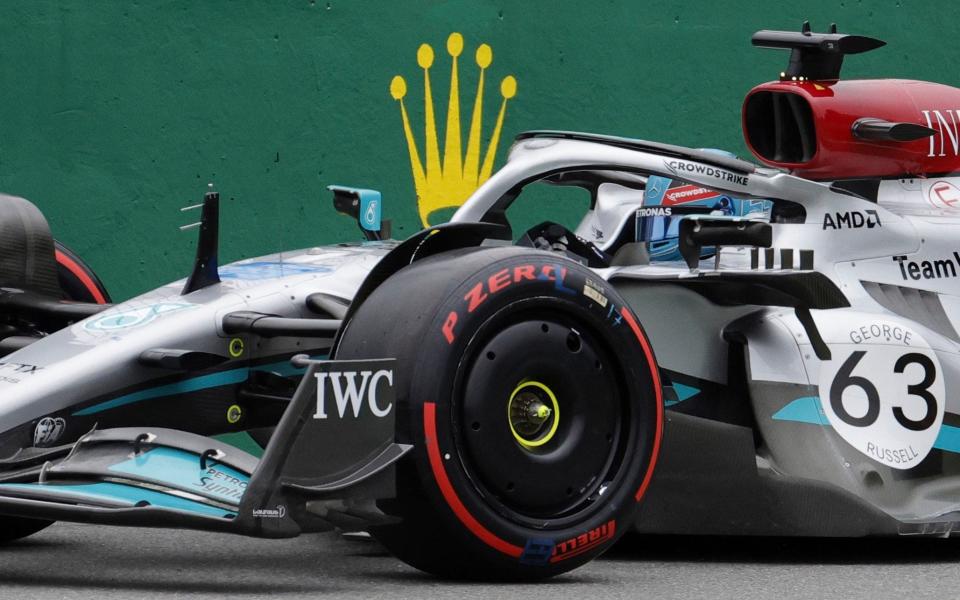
541 416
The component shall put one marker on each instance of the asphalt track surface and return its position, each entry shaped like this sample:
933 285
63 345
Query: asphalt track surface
78 561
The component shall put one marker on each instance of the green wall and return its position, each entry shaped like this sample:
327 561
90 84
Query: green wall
115 114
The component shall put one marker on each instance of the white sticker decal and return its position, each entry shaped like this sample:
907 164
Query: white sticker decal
884 392
943 194
135 317
590 291
48 431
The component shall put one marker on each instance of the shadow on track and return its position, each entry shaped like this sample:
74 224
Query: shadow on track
779 550
578 577
162 583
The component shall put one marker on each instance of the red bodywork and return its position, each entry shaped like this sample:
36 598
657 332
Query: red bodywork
836 105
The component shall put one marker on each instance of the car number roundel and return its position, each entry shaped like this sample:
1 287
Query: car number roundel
884 393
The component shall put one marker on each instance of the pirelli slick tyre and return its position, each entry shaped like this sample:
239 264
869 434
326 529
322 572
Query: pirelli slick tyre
77 280
79 283
532 399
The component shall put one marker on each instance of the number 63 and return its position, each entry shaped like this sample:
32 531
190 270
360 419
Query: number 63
846 379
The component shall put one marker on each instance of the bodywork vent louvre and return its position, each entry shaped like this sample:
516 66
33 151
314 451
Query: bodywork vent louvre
917 305
780 127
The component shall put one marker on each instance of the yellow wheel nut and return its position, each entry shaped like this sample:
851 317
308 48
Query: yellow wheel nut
234 414
236 347
533 414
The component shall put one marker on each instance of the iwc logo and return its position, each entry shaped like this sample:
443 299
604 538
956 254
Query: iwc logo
348 393
447 181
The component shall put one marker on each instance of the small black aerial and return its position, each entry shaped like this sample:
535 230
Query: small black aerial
816 56
205 271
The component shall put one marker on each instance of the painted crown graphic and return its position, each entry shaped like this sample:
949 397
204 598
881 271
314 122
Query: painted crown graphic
447 181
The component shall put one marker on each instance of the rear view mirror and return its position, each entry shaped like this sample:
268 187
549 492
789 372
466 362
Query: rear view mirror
365 207
695 233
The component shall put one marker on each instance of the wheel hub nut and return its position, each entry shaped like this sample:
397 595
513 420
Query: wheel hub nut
533 413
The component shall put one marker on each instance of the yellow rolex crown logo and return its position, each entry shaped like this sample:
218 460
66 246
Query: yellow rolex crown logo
448 181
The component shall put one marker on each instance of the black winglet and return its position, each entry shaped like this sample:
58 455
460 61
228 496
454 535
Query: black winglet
885 131
816 56
205 268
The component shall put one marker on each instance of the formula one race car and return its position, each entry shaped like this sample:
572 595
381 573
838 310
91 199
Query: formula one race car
491 403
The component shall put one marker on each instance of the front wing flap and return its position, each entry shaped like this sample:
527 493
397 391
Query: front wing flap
329 459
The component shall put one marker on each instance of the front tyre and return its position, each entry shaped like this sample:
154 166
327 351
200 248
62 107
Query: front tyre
77 280
80 284
532 399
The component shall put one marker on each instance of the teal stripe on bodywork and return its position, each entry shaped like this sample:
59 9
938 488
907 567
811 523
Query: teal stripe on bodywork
803 410
180 387
284 368
808 410
948 439
684 392
123 493
241 440
195 384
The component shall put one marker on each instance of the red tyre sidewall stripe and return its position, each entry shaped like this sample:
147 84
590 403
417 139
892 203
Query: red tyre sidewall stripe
80 274
655 375
450 495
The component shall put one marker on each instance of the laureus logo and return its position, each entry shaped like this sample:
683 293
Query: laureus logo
447 181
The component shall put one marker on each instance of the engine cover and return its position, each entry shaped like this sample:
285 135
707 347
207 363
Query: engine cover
808 127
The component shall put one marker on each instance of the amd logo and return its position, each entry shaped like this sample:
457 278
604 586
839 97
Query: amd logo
347 393
853 219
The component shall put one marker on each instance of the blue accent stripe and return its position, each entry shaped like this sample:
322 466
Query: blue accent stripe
123 493
284 368
803 410
241 440
181 469
195 384
808 410
948 439
684 392
180 387
269 270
